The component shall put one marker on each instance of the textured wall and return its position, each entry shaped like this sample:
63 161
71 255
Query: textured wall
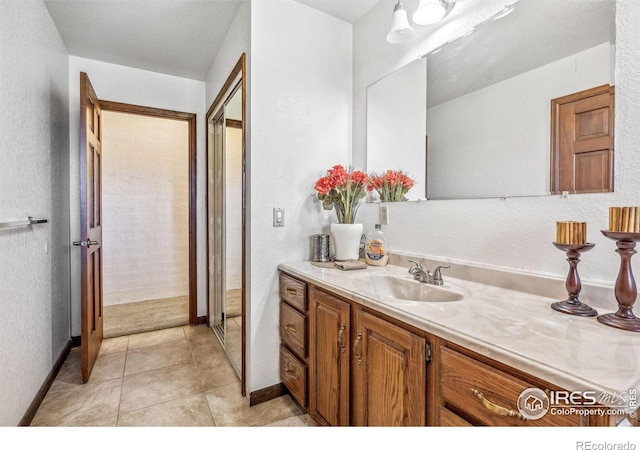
138 87
145 199
34 262
515 234
301 110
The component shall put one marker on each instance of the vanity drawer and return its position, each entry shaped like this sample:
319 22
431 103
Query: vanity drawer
293 292
293 374
462 375
293 330
450 419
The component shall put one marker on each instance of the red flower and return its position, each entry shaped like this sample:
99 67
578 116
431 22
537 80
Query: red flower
342 191
324 185
391 186
338 175
359 177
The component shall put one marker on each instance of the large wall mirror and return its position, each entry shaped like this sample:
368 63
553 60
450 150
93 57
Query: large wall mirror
489 93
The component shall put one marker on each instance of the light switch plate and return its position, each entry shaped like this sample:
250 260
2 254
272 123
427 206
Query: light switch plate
278 217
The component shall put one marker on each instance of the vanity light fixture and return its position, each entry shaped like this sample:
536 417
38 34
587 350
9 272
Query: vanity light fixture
400 31
430 11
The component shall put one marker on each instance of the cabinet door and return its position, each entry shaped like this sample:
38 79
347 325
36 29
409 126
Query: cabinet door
329 359
388 373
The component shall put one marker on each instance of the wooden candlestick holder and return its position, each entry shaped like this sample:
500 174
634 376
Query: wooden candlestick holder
625 288
572 305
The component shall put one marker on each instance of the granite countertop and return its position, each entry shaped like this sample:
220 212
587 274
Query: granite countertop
516 328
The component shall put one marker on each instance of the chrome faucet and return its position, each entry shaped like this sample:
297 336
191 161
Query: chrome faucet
424 276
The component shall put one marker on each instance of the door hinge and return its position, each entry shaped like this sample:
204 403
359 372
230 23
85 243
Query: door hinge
427 352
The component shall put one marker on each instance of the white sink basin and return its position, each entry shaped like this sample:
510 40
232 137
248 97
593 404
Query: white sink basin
396 288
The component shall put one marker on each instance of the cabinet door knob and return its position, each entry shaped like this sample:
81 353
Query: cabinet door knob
496 408
291 291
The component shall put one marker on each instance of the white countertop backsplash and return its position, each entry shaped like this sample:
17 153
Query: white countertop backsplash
513 327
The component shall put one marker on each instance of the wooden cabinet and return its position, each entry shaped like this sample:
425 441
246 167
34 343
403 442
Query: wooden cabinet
380 363
389 374
330 356
352 365
294 338
474 390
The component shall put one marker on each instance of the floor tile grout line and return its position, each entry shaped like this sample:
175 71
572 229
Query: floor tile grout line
124 368
195 364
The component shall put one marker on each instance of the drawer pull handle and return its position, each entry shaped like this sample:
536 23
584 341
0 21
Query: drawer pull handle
289 328
356 346
341 336
496 408
291 291
290 375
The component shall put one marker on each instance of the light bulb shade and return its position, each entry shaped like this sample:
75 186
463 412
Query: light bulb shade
429 11
400 31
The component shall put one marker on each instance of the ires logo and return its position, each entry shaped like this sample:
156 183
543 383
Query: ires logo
534 403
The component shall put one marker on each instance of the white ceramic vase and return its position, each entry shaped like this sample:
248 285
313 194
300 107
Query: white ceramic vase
346 240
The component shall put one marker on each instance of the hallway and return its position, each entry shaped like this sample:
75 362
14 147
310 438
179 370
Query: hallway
170 378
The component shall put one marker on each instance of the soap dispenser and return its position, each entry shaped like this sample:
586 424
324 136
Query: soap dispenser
375 250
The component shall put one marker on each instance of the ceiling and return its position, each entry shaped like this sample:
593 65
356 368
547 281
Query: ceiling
175 37
536 33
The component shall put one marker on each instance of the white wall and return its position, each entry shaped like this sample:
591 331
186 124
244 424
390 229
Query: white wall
507 125
139 87
145 208
517 233
301 71
34 282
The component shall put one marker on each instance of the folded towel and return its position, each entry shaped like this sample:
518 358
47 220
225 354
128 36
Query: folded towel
351 264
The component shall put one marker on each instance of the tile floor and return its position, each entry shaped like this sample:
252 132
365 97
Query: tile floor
167 378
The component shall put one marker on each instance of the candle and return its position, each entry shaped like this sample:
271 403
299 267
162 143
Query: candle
572 233
624 218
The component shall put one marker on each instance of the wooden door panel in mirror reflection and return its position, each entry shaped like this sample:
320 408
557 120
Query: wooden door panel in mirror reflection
582 141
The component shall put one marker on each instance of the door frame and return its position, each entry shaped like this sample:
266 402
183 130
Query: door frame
190 118
239 69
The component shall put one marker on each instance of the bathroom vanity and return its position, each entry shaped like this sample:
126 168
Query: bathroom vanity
376 348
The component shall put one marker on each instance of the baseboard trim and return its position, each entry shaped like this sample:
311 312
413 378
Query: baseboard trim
202 319
266 394
42 392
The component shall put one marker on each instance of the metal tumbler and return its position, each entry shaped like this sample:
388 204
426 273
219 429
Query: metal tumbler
321 248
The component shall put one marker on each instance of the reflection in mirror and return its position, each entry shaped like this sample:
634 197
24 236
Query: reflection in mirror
489 96
233 228
396 125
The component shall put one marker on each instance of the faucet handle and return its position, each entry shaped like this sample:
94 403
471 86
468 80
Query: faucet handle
416 267
436 272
